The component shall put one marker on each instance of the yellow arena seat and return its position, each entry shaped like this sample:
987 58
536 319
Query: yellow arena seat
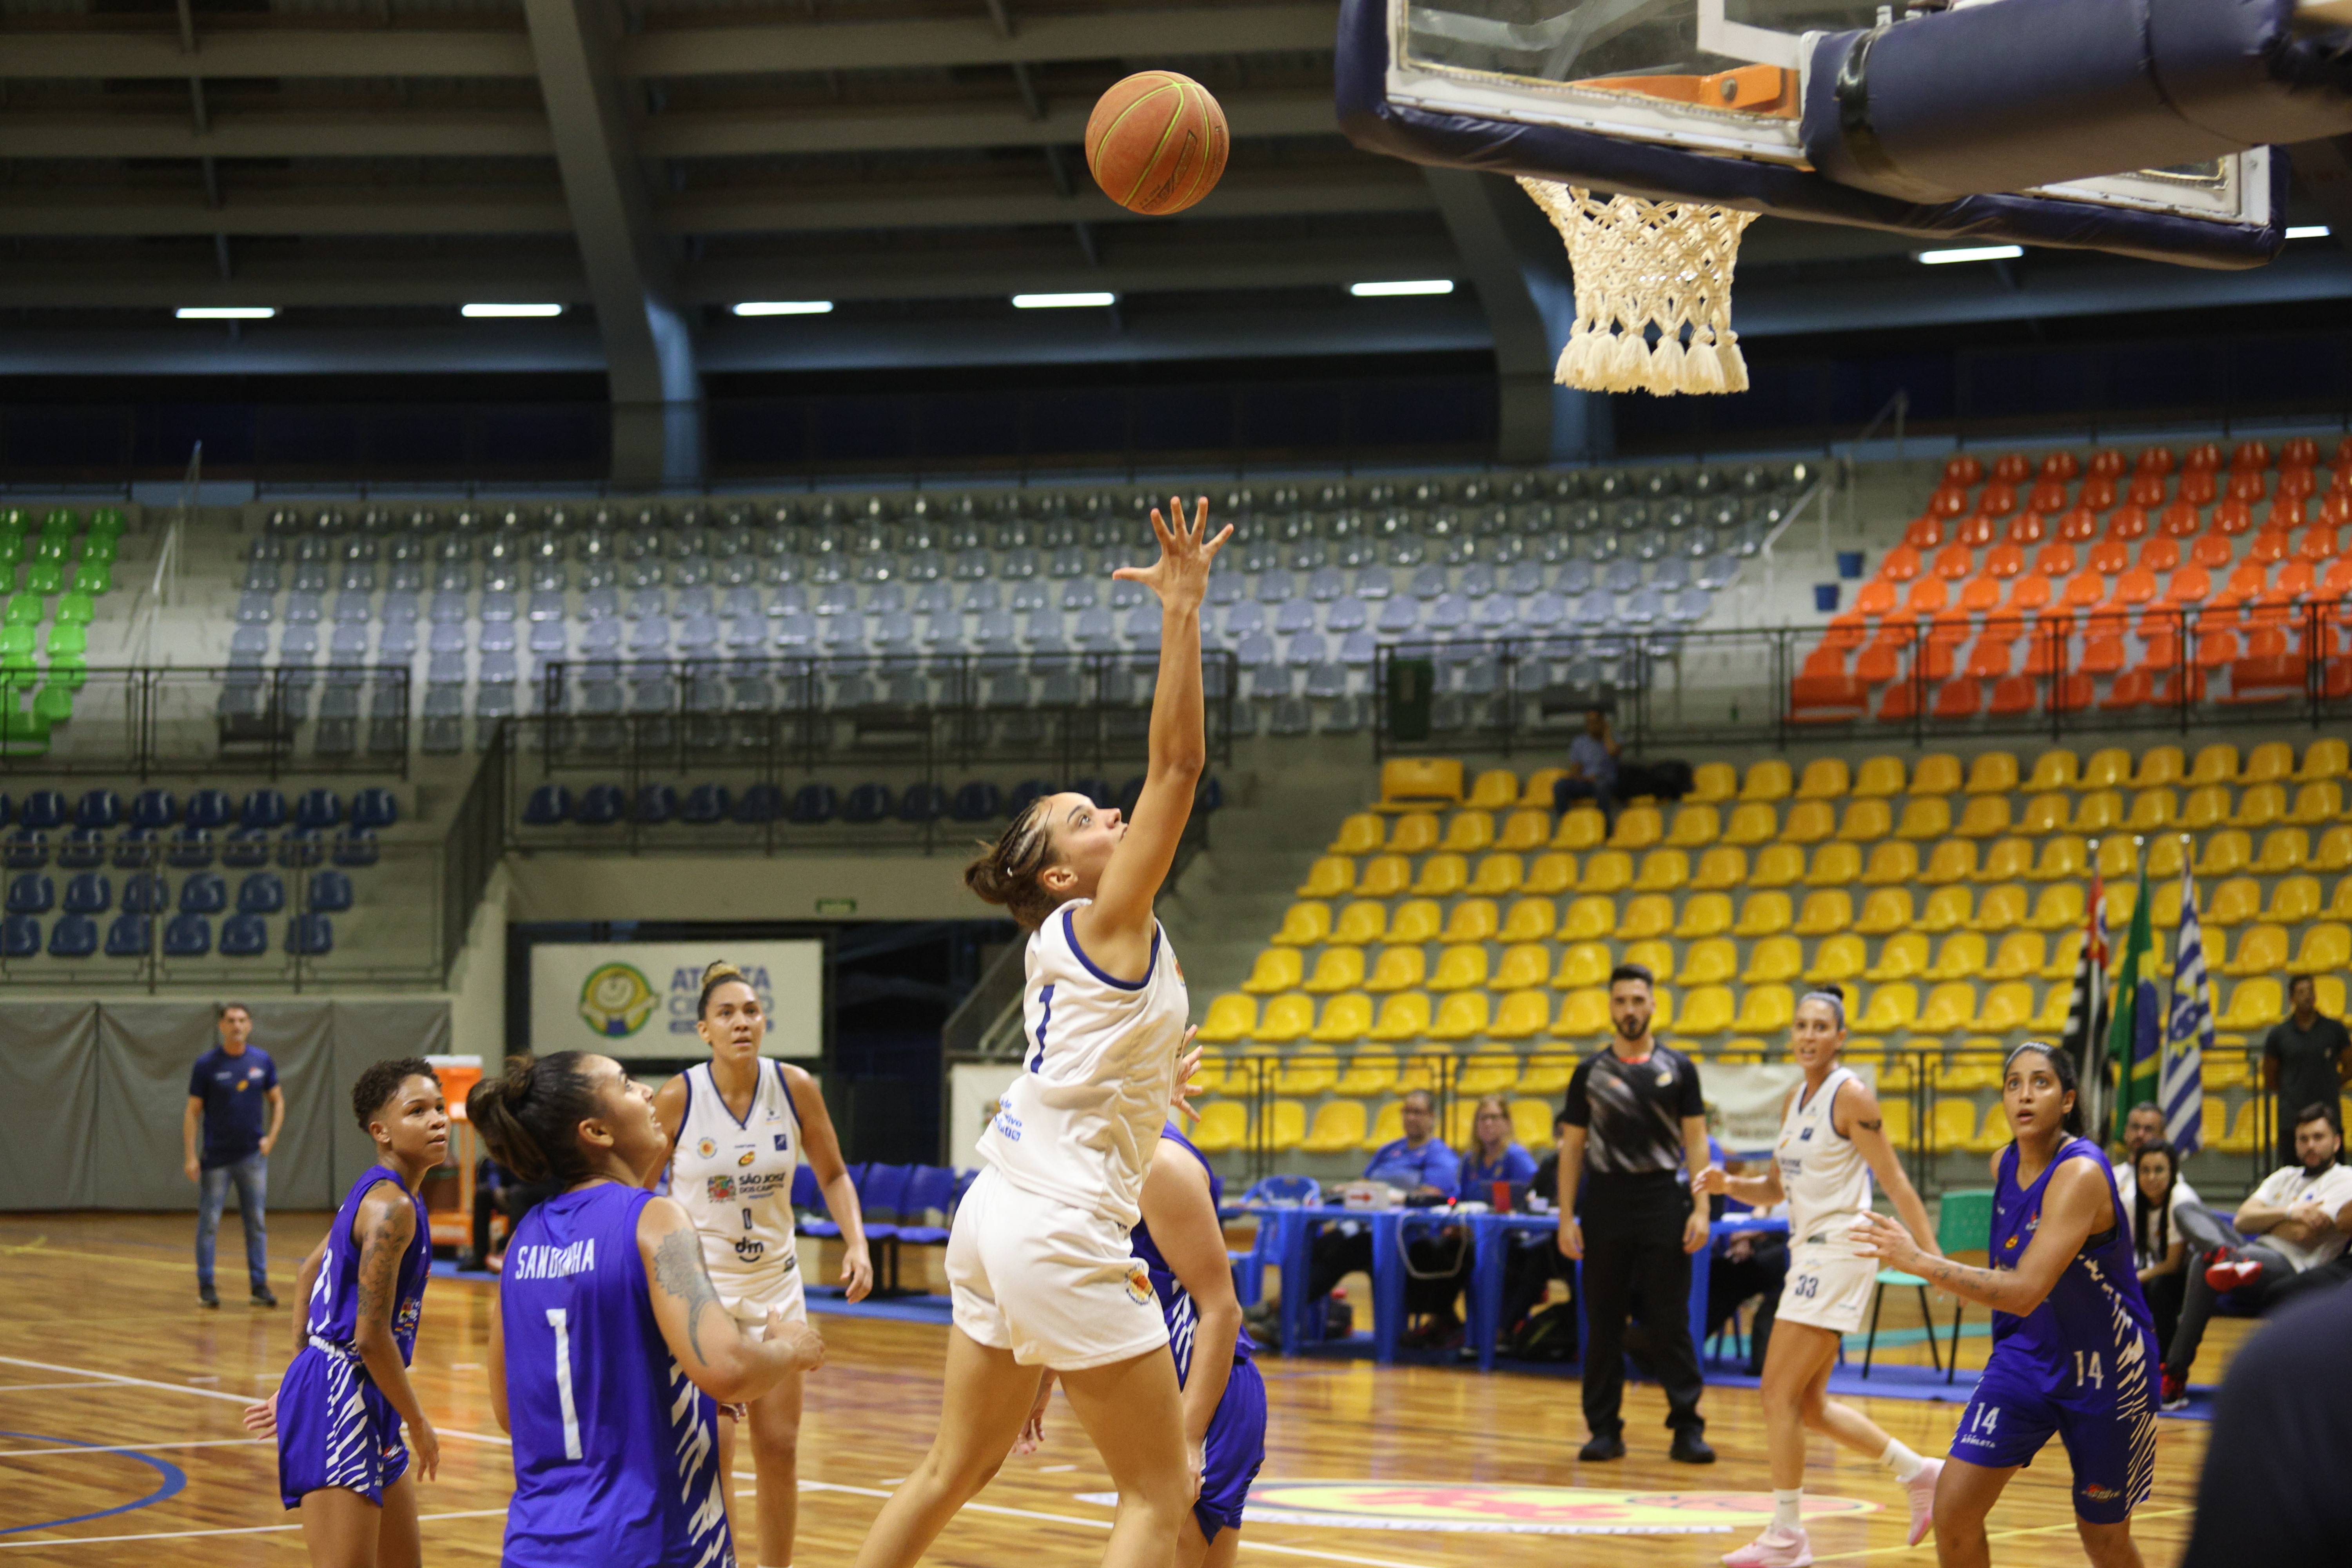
1463 1016
2225 1134
2323 759
1365 921
1767 780
1824 778
2234 902
1385 876
1413 834
1952 860
1865 821
1548 1074
1953 1127
2339 902
2159 765
1328 877
1808 822
1340 1126
2098 811
1903 956
1306 1075
2153 810
1403 1016
1772 961
2268 762
1722 867
1885 912
1835 866
2166 855
1710 963
1662 871
1468 832
2006 860
1752 823
1459 968
2330 997
1949 1006
1898 1076
2222 854
1529 920
2059 769
2122 898
1494 789
2002 908
1826 912
2215 764
1965 1070
2316 805
1224 1127
1276 969
2325 945
2119 857
1497 874
2226 1069
1608 871
1695 827
1993 773
1442 876
1708 1010
1896 1114
1362 834
1992 1133
2043 814
1948 908
1638 827
2254 1004
2108 767
1344 1018
1412 782
1961 957
1589 917
1764 915
1925 817
2064 856
1524 965
1337 969
2020 956
1580 830
2259 807
1879 777
1704 915
2008 1006
1583 964
1551 874
1985 816
1582 1012
1892 1007
1839 957
1370 1071
2059 908
1471 920
2284 850
1537 793
2261 950
1524 830
1777 866
1397 969
1522 1016
1231 1017
2207 806
1662 1015
1387 1126
2055 1001
1763 1010
1304 924
1712 784
1656 956
1286 1017
1484 1074
1531 1125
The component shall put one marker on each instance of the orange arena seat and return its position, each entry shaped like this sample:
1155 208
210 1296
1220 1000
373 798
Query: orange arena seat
2079 525
1974 532
2160 555
2055 559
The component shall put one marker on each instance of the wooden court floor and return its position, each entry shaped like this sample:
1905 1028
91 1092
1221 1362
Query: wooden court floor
120 1441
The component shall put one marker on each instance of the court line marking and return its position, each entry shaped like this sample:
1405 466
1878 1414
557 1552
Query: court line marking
134 1447
1992 1536
239 1530
172 1480
21 1387
236 1399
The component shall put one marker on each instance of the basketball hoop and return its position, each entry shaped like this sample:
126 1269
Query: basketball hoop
1637 264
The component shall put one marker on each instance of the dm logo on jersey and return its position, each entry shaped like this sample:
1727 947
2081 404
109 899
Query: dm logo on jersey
722 1189
707 1148
747 1250
1485 1510
616 1001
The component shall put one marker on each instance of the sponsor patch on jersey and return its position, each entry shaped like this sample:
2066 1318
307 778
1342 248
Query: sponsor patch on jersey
707 1148
411 1311
722 1189
1666 1077
1139 1284
2102 1494
747 1250
784 1144
747 1156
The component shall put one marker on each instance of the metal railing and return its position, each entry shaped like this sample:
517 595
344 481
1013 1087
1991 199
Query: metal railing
141 721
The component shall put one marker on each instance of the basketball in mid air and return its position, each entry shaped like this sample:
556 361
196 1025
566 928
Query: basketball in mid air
1155 142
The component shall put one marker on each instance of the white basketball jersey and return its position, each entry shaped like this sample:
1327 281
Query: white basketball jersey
1824 1175
1080 1123
736 1177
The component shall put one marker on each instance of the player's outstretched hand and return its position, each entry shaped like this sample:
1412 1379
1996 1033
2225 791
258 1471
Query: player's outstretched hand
1196 1466
1697 1229
1875 1236
1572 1237
425 1447
1181 576
857 1272
1714 1182
261 1419
1188 1062
799 1336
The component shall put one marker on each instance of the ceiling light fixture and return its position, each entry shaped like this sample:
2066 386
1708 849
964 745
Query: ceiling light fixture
2308 231
501 312
1409 286
225 312
1969 253
1061 301
784 308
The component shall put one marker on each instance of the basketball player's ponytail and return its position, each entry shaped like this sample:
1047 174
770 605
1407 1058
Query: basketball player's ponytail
530 1116
1011 872
713 977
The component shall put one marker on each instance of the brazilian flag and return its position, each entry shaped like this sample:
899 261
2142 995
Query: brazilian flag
2136 1030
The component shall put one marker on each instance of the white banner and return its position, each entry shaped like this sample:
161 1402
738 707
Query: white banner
1745 1100
638 999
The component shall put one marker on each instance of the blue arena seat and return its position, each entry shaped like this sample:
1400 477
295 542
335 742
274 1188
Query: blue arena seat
243 936
601 806
147 893
82 848
187 935
374 808
99 808
74 936
759 805
319 809
44 809
245 848
210 809
27 849
130 936
264 808
923 803
978 801
869 802
1025 795
262 893
20 937
329 892
547 806
311 935
356 846
90 893
204 894
301 848
191 848
136 848
705 804
31 894
657 803
813 804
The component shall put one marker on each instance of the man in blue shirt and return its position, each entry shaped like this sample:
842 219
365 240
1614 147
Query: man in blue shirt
1592 768
232 1093
1418 1163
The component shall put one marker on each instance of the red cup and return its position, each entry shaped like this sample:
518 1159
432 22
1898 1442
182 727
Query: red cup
1502 1197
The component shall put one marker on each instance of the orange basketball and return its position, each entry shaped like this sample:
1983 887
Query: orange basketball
1155 142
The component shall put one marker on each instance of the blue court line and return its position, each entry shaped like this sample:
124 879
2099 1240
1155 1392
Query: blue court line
174 1478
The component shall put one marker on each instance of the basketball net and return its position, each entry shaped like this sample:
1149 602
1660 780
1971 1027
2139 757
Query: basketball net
1639 264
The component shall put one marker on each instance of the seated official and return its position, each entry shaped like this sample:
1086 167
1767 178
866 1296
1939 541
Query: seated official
1418 1164
2303 1216
1440 1265
2143 1127
2159 1251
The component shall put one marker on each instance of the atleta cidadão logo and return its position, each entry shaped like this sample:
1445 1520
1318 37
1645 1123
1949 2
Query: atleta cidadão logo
615 1000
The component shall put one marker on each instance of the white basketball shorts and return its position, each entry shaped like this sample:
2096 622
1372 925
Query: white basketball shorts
1828 1287
1055 1285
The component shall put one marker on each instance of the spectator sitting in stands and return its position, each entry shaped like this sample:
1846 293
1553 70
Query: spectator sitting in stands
2143 1127
2161 1251
1592 769
2303 1214
1422 1165
1492 1158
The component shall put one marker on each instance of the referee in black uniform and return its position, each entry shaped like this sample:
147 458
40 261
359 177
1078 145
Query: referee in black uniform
1632 1145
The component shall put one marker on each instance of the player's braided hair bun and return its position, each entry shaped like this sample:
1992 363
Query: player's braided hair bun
1010 871
530 1116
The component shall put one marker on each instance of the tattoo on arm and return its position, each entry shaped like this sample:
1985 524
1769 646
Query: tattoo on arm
679 1269
379 1270
1870 1126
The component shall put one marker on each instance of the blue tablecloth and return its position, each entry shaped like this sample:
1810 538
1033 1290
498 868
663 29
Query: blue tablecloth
1293 1244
